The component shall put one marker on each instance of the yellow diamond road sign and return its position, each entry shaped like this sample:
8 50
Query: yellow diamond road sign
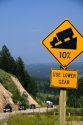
65 43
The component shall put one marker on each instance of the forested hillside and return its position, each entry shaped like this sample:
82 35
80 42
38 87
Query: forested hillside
17 68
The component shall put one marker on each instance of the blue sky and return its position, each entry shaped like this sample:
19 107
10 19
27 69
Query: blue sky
25 23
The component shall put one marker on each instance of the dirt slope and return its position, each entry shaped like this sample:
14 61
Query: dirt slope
29 99
5 97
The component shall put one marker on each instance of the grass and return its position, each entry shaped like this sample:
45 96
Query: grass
32 120
75 118
6 81
75 110
69 110
39 120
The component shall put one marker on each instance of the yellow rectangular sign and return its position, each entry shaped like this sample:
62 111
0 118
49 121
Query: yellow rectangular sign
63 78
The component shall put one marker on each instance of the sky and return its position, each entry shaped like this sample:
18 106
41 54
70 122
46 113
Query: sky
25 23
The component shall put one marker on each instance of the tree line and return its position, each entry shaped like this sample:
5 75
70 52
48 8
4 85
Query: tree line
74 96
17 68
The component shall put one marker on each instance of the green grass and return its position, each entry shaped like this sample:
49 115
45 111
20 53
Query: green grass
71 111
75 110
39 119
33 120
6 81
74 118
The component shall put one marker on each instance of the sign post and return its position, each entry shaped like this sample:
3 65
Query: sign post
62 105
63 78
65 43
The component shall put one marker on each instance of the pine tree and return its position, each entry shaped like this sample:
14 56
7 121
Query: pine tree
22 74
20 70
24 77
7 62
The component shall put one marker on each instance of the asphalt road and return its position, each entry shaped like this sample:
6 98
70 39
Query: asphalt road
28 111
33 111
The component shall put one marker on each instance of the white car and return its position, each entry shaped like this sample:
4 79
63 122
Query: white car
49 104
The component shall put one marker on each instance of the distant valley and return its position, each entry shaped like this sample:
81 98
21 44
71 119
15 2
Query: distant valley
43 70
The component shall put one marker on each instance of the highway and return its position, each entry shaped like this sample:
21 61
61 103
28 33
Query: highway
28 111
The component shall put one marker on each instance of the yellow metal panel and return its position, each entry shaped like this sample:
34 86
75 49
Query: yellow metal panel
64 78
65 43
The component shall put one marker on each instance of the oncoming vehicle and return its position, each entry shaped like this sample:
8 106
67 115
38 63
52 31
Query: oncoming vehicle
21 107
7 108
49 104
32 106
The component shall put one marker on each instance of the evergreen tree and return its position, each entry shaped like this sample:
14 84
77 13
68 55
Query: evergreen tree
80 86
24 77
21 71
7 62
75 96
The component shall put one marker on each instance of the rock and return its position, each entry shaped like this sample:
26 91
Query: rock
5 97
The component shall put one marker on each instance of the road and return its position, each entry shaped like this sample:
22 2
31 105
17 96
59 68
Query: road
28 111
33 111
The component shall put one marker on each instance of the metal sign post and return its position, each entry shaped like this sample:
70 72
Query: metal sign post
65 43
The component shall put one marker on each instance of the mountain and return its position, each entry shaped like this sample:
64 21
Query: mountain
40 70
44 70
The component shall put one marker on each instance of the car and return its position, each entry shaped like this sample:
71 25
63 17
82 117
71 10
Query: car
21 107
7 108
49 104
32 106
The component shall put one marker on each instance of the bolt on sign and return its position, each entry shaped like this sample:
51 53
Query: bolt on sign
65 43
63 78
